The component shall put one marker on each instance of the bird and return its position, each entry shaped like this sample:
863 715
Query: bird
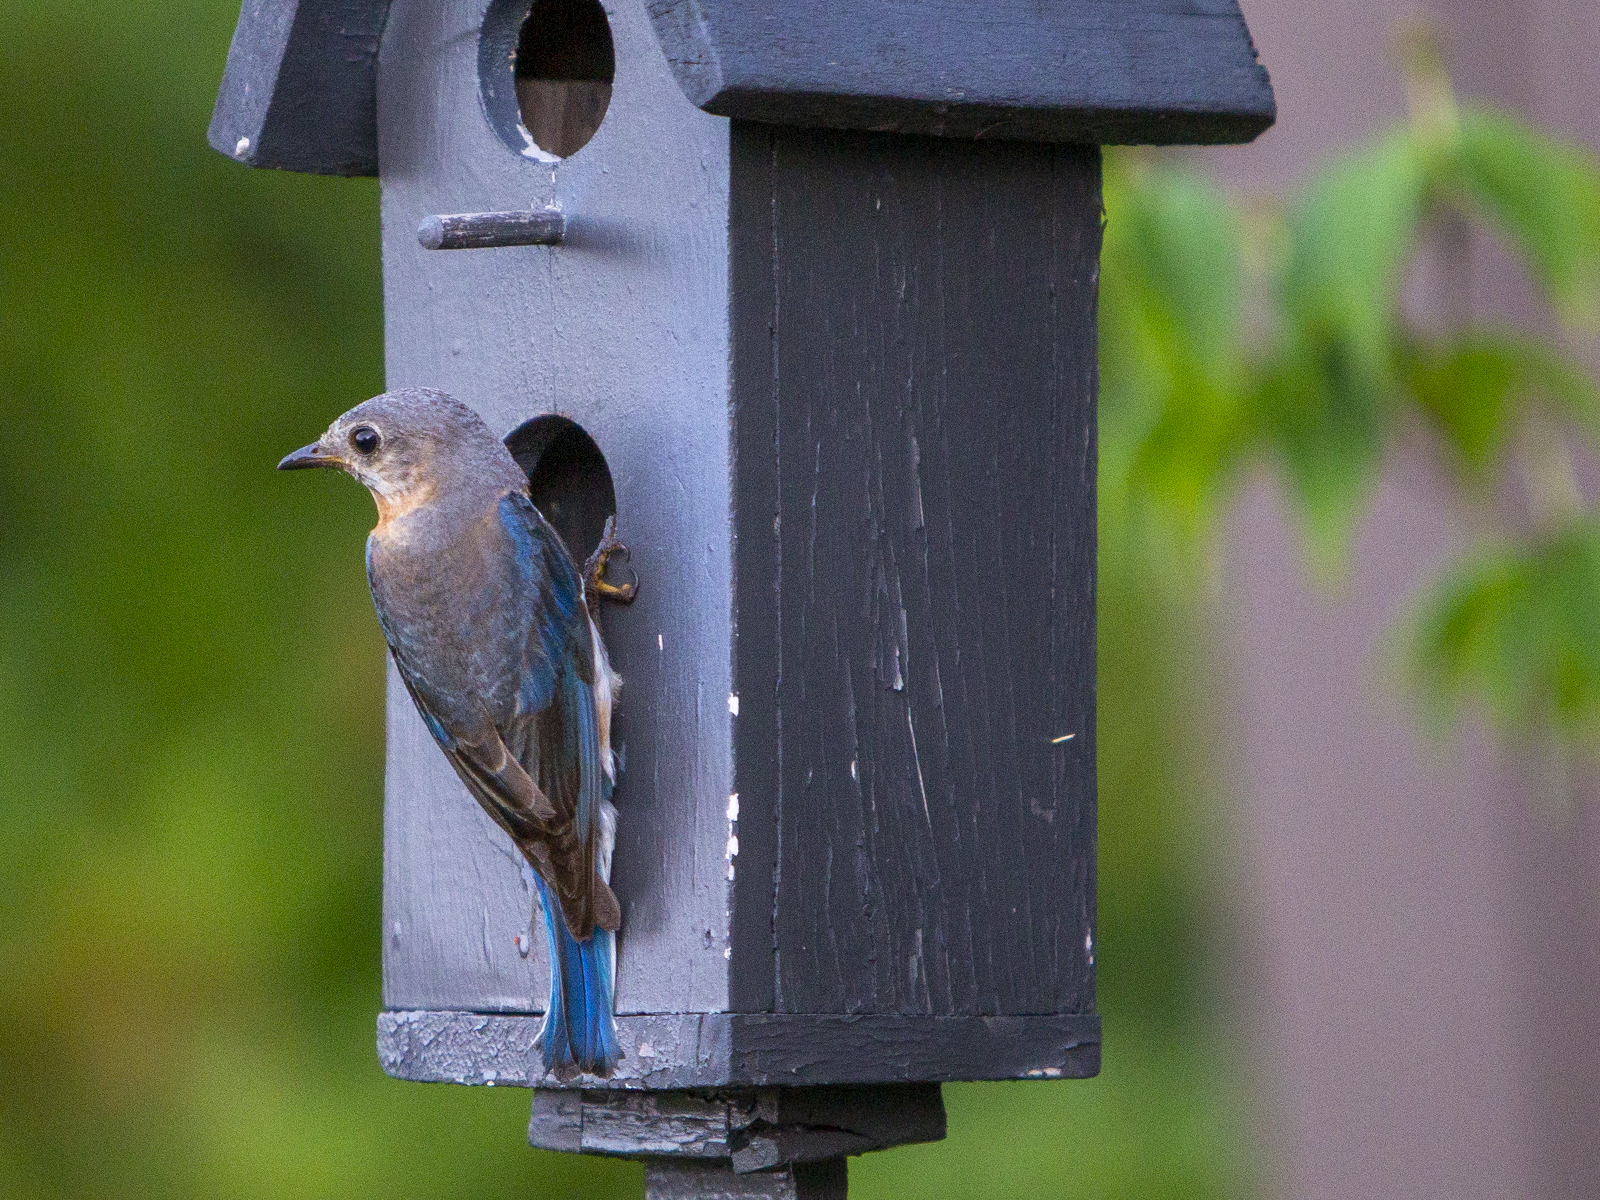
492 626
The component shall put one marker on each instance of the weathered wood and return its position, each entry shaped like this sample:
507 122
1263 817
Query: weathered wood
714 1050
914 424
686 1179
631 1124
754 1130
482 231
300 88
794 1125
1070 71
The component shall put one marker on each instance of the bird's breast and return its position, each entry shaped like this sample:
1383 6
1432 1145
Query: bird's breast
448 598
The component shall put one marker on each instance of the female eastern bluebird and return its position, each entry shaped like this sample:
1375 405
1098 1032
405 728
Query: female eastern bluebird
488 621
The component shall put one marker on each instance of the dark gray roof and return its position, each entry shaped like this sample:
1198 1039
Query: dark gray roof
299 91
1032 70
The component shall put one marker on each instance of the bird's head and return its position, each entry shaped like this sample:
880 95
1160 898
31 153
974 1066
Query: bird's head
409 447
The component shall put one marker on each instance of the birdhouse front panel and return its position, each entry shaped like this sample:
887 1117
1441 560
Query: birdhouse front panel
623 330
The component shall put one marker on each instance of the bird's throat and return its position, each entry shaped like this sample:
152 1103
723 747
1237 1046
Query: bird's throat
395 504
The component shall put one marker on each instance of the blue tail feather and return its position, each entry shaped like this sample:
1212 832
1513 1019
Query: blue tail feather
580 1032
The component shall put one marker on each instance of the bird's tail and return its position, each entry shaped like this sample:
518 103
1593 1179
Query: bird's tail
579 1031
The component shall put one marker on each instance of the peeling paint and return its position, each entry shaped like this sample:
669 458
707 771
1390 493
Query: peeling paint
533 150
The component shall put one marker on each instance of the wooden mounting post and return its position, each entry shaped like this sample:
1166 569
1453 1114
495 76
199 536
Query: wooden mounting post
679 1179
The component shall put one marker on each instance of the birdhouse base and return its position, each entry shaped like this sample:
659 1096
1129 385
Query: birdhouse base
675 1052
744 1130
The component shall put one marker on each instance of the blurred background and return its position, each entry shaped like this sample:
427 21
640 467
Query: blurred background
1349 657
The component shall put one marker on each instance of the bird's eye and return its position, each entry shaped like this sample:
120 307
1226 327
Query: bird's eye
365 439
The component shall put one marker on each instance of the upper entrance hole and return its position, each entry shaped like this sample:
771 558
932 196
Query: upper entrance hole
567 478
564 68
545 70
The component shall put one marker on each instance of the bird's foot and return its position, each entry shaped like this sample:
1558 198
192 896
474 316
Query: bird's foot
595 587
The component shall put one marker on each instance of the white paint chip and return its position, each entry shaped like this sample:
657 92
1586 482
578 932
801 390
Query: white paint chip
532 149
241 147
733 845
733 806
660 645
1065 737
733 703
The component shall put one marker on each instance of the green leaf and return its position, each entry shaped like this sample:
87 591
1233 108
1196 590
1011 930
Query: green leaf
1518 629
1474 389
1327 393
1171 348
1545 195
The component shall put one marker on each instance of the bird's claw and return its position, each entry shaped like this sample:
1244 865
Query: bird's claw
595 587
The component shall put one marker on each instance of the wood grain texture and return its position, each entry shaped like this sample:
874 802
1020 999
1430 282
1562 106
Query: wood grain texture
679 1179
663 1052
914 400
491 231
300 88
755 1130
1088 71
629 1124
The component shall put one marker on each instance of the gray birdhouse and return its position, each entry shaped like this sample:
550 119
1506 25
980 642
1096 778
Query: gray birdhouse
803 292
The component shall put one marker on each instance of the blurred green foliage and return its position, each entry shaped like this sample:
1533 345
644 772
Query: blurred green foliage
190 687
1235 336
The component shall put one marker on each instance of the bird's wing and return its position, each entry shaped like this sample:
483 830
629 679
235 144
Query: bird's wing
480 757
558 742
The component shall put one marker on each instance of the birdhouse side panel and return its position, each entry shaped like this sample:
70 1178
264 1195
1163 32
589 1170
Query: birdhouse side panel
915 492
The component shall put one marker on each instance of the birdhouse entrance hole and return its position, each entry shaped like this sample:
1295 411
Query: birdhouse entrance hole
546 71
567 478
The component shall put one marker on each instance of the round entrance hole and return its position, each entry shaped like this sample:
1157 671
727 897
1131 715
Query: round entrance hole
545 70
565 65
567 478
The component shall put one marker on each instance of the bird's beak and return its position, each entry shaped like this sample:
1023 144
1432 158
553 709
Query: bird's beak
309 456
